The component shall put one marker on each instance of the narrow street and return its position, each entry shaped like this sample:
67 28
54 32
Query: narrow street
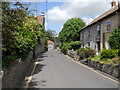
56 70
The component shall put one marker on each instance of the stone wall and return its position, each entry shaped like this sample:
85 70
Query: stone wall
108 69
15 74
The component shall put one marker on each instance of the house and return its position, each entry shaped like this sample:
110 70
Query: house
96 34
41 19
50 45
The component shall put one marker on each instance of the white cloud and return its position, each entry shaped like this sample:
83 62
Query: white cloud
87 20
57 15
85 10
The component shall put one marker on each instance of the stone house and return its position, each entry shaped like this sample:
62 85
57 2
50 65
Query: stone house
96 34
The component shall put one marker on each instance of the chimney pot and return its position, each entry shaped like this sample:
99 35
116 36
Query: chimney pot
42 13
113 3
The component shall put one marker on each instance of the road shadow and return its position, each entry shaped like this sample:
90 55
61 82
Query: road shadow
35 83
42 57
39 68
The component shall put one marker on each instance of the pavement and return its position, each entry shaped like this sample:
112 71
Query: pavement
55 70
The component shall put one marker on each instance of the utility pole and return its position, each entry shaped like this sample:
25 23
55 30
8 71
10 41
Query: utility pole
35 8
47 15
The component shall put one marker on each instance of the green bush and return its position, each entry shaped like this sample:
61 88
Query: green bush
89 52
81 53
21 32
46 44
86 52
114 39
46 47
6 60
60 46
108 54
75 45
72 45
65 47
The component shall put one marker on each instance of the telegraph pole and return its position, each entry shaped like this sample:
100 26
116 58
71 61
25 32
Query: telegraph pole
35 8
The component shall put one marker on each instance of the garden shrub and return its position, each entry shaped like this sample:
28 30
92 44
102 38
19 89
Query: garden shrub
80 52
72 45
108 54
75 45
46 44
6 60
46 47
86 52
60 46
89 52
116 60
114 39
65 47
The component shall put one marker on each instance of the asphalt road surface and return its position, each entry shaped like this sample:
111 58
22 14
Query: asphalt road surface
55 70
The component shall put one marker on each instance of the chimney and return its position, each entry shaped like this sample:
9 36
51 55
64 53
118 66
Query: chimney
42 13
113 3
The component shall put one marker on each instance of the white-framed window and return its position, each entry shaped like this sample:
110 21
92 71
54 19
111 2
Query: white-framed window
108 25
98 27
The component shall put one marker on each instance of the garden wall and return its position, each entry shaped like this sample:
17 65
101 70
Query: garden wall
14 75
108 69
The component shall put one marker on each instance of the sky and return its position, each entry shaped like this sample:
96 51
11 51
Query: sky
57 13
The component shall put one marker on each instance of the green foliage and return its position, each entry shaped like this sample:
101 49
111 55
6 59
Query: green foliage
51 34
46 44
71 29
72 45
114 39
64 47
20 31
85 52
81 53
25 41
6 60
116 60
75 45
108 54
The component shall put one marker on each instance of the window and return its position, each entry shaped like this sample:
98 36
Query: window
82 35
88 34
88 44
98 27
108 25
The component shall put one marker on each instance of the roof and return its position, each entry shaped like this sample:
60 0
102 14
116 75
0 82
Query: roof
40 19
112 10
50 42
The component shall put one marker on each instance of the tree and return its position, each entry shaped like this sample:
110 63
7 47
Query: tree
20 32
51 34
71 29
114 39
12 17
